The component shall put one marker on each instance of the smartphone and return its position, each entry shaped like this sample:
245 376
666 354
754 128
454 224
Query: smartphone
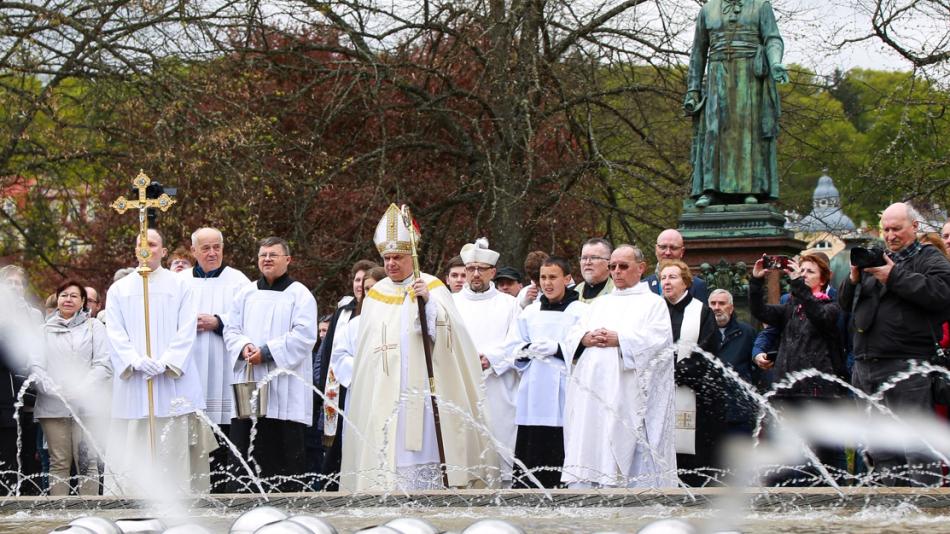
775 262
770 355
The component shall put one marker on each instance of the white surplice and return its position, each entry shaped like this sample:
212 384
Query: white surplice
489 316
344 350
213 296
543 386
285 321
618 419
181 454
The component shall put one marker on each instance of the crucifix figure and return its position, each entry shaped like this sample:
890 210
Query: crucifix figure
143 253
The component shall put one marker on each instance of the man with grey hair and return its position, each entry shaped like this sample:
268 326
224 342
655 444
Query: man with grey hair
735 350
272 326
618 410
213 285
899 308
595 253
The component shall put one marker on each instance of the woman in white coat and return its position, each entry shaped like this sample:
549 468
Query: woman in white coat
74 367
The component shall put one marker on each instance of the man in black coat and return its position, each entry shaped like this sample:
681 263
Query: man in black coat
735 350
898 311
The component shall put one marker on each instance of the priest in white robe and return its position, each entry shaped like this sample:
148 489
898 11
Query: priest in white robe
392 442
213 285
492 315
180 463
273 327
618 420
537 341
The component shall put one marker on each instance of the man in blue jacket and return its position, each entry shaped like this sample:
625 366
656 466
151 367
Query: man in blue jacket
735 350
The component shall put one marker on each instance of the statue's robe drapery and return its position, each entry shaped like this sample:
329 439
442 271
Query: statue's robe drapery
735 44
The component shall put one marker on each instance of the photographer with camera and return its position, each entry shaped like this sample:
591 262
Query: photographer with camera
809 338
899 299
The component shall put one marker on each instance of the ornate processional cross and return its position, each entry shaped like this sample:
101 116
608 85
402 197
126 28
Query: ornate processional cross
122 204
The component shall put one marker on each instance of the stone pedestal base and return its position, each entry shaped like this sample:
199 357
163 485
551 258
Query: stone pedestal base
723 242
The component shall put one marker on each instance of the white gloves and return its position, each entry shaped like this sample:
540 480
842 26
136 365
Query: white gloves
149 367
543 348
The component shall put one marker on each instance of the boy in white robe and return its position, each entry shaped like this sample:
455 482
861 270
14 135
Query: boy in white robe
618 415
273 327
180 462
491 314
537 341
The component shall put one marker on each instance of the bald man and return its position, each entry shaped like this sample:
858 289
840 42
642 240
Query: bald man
898 311
670 246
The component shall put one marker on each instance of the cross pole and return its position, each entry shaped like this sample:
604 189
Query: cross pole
144 254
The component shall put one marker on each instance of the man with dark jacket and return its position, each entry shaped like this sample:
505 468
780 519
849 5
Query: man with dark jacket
735 350
898 310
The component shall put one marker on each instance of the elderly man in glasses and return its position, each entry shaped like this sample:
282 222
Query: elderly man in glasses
669 246
618 418
489 314
595 254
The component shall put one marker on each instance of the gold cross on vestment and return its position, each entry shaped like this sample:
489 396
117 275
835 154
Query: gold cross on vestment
122 204
384 348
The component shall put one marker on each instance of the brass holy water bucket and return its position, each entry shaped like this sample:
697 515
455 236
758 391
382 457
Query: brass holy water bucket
242 397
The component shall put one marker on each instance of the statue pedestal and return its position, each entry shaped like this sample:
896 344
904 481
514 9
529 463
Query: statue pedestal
724 241
734 233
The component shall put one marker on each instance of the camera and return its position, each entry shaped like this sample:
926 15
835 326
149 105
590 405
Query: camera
775 262
867 257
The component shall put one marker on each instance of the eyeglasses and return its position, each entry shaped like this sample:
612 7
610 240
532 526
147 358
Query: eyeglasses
592 259
477 268
671 248
616 266
93 300
270 256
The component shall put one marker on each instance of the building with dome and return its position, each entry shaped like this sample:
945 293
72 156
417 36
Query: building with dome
827 227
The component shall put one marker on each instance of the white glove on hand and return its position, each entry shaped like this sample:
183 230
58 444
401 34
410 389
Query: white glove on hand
543 347
148 366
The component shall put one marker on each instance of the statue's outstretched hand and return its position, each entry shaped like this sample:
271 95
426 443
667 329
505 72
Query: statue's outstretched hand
779 73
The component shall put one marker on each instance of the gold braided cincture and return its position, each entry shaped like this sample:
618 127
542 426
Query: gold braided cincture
143 253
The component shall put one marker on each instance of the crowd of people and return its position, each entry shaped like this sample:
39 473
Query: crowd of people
615 375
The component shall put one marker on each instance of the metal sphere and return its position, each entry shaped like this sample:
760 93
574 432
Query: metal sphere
252 520
412 525
99 525
143 526
315 524
668 526
187 529
492 526
283 527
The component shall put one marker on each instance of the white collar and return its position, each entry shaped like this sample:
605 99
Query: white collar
489 293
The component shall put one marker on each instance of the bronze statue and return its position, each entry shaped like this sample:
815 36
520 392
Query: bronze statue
735 63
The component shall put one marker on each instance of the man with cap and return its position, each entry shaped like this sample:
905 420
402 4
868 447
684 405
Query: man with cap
390 407
491 314
508 280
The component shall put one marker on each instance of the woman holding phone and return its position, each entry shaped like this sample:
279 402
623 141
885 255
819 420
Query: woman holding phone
808 326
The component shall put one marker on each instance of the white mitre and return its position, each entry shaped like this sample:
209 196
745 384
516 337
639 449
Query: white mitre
479 252
392 234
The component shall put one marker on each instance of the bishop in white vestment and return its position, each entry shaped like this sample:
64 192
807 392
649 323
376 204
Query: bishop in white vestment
392 442
491 315
182 441
618 420
273 327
